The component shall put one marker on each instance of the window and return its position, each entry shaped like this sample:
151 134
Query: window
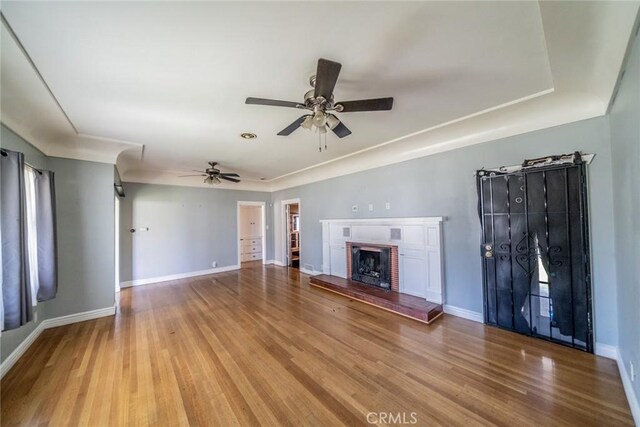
32 232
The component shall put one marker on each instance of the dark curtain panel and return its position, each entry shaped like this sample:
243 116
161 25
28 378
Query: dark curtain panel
16 290
46 226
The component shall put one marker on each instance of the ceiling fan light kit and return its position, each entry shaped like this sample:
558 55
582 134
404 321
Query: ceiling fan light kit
321 103
212 175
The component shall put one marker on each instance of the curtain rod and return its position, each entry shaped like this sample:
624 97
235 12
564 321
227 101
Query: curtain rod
4 154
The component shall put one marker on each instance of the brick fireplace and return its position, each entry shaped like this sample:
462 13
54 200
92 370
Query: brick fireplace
371 278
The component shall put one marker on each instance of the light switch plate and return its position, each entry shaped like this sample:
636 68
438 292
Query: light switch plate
370 207
354 208
387 206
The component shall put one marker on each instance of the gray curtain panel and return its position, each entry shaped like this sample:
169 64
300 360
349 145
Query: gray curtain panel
16 290
46 226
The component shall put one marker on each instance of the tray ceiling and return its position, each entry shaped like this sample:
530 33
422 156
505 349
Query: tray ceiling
172 77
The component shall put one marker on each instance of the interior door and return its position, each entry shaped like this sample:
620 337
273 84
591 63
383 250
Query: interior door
535 253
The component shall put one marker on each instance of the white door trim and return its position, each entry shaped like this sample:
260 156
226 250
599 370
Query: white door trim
285 228
264 228
117 242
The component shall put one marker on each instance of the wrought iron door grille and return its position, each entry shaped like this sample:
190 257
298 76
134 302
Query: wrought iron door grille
535 251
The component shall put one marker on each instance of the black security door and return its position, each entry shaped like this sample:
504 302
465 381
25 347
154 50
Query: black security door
535 252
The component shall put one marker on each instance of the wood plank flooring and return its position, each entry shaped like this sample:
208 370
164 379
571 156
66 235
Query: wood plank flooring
259 346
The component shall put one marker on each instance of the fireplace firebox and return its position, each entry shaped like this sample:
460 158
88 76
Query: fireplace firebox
371 265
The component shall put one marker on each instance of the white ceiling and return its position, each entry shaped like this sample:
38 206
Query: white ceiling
164 83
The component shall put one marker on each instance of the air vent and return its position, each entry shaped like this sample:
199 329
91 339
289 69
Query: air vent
346 232
396 234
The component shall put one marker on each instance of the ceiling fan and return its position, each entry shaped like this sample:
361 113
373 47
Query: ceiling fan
319 101
213 176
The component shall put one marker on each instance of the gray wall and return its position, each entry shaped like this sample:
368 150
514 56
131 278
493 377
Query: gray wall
444 185
189 228
11 339
86 235
625 145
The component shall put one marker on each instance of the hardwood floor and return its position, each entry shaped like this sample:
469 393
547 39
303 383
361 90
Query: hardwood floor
259 346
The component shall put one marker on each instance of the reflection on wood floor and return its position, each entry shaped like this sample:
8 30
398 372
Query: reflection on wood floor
259 346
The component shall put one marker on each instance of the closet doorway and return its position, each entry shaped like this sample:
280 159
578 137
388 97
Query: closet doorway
292 228
251 233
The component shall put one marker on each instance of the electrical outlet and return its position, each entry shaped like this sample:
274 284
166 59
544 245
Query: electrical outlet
214 264
354 208
387 206
370 207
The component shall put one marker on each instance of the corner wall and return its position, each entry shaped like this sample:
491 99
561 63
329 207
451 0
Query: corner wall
189 228
625 146
10 340
85 225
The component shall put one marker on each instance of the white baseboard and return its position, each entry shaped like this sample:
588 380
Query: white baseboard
606 350
140 282
464 313
78 317
279 263
310 272
634 405
51 323
20 350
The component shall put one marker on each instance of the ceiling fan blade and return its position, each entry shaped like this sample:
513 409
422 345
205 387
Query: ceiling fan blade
378 104
193 170
228 179
230 174
293 126
341 130
326 78
273 102
184 176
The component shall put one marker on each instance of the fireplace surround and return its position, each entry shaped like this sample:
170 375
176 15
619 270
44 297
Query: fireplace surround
416 257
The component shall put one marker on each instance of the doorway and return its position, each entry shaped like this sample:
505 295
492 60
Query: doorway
251 233
293 235
535 251
117 242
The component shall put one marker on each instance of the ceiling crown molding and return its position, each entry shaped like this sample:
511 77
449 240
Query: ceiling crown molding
585 47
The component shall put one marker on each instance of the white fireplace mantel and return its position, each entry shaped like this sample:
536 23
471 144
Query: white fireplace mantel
419 242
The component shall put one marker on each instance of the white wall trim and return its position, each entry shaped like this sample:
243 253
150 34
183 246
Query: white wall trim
606 350
389 221
285 228
464 313
140 282
634 405
20 350
51 323
78 317
309 272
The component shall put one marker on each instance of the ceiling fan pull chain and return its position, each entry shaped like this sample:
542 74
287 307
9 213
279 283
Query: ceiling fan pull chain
325 142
